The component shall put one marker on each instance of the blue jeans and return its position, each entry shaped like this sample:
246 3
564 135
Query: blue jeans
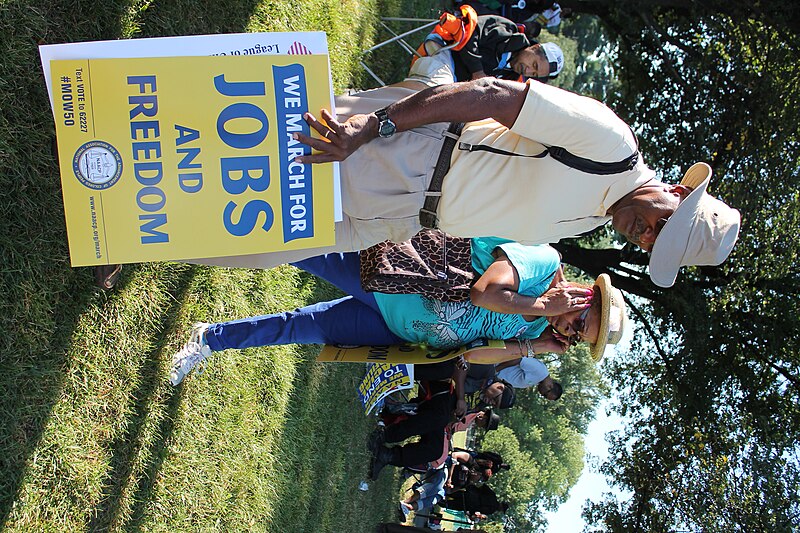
431 490
354 319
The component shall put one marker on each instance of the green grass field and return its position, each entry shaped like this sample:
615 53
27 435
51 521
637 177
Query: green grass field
92 437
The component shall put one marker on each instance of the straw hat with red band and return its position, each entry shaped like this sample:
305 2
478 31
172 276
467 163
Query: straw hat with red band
701 231
613 315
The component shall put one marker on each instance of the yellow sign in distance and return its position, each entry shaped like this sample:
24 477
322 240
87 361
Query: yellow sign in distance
400 353
381 380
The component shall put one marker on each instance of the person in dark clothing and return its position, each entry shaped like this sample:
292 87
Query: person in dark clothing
475 500
501 48
510 9
433 416
471 380
462 469
399 528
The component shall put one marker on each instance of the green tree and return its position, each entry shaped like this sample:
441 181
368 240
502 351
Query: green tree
594 70
622 17
711 386
543 440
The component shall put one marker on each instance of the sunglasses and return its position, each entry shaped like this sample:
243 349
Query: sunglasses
578 325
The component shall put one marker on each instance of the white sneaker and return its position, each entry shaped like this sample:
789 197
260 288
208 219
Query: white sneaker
195 352
405 510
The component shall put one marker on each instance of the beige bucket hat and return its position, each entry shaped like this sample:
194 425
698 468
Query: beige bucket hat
613 316
701 231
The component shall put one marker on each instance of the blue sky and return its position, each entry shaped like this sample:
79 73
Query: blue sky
592 484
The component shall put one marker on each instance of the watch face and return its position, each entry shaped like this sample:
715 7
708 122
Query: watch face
387 128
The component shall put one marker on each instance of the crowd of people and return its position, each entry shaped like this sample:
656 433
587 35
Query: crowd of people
531 164
537 14
521 297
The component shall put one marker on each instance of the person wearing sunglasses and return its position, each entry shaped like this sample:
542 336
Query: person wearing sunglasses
521 297
600 324
519 286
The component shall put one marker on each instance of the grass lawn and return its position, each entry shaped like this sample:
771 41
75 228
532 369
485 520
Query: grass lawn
92 437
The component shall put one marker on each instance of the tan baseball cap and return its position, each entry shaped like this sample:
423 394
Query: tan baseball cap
701 231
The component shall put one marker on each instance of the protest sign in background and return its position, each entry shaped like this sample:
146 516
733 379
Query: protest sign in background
399 353
381 380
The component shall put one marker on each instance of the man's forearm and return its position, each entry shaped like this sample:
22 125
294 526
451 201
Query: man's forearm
506 364
468 101
492 356
457 102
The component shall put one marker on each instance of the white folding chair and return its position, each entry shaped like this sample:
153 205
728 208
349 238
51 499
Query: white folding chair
397 38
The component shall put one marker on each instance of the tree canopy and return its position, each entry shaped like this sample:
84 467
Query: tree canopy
711 387
542 440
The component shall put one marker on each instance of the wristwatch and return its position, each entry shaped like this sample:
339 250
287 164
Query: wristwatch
386 127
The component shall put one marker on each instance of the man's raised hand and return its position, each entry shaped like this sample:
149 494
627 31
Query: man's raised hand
339 140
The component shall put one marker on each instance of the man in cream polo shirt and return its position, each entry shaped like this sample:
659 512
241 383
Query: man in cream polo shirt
389 141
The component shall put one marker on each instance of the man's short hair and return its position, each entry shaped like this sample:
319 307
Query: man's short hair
557 389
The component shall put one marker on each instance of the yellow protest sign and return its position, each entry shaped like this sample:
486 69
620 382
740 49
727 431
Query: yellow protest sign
381 380
400 353
184 157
